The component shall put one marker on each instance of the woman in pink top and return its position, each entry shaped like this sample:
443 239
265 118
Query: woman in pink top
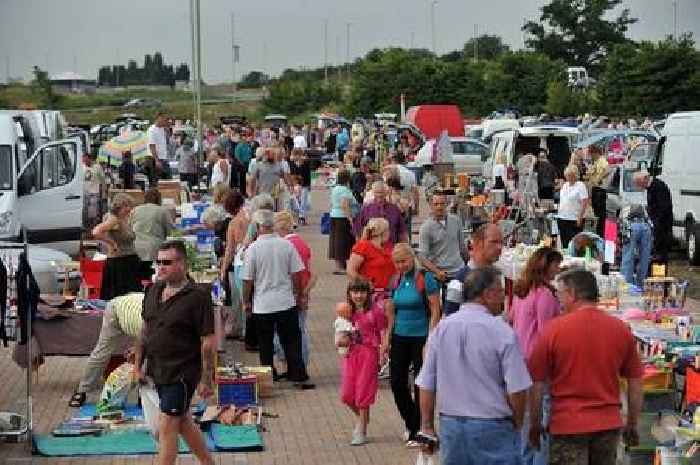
534 303
283 227
533 306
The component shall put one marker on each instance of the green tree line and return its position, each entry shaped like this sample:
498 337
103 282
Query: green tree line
153 72
632 78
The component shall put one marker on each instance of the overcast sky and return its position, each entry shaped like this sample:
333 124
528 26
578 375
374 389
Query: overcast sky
82 35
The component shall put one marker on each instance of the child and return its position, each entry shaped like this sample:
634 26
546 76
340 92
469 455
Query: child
295 197
360 366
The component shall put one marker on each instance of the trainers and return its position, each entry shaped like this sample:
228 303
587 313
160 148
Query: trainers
358 439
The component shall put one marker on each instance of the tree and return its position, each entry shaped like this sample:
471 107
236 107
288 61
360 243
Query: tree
41 87
254 79
645 78
488 47
578 32
562 100
182 73
298 96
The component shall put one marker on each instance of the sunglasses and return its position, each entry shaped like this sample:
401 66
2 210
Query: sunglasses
165 262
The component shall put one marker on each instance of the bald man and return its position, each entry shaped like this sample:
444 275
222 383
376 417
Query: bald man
486 246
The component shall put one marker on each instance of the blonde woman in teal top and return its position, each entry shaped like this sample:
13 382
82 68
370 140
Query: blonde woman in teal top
341 239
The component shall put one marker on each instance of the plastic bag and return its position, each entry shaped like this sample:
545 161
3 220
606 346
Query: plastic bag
116 388
150 402
424 459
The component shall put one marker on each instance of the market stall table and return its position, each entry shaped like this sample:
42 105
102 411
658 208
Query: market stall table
74 335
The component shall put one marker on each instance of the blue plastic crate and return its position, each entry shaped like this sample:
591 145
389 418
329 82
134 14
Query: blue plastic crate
187 222
239 392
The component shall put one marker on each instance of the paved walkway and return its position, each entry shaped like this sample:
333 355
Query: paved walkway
313 427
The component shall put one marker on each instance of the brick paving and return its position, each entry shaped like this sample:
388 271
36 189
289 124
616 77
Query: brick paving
313 427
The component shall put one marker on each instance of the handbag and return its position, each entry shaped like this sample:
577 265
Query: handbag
326 223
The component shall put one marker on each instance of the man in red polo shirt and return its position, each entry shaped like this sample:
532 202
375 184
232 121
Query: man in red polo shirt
582 355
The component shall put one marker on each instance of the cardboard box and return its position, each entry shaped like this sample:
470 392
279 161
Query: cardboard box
264 377
137 195
170 194
169 185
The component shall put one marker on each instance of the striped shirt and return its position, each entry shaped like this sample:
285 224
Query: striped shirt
127 310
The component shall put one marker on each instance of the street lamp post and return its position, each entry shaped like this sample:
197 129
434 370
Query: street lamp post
432 24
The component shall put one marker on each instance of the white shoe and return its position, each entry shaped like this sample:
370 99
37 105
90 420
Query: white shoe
406 434
358 439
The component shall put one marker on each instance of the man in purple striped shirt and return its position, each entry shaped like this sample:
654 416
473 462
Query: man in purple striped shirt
474 362
380 208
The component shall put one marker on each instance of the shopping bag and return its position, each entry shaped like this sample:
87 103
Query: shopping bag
326 223
150 402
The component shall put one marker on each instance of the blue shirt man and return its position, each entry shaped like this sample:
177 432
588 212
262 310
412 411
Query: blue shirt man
473 360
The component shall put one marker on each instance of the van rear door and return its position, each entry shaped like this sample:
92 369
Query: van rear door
50 193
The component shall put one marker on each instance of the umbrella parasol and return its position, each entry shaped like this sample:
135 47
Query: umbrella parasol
134 141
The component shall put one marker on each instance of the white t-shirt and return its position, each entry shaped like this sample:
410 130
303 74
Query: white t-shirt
570 200
299 142
270 262
156 136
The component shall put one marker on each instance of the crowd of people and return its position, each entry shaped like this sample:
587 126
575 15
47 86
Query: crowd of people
536 384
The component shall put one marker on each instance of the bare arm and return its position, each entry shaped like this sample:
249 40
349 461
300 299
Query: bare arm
584 206
416 200
427 411
138 352
248 295
635 396
536 413
230 249
208 360
298 290
251 186
390 312
430 266
100 231
435 312
517 402
154 152
354 264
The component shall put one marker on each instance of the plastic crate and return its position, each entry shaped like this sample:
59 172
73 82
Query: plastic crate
188 222
240 392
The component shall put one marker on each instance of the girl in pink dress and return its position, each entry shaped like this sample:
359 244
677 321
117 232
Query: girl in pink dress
360 367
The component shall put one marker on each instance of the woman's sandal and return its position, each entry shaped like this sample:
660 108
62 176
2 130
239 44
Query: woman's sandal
77 400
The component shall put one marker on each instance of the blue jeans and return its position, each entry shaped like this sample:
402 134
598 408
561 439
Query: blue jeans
472 441
304 341
638 245
305 204
530 455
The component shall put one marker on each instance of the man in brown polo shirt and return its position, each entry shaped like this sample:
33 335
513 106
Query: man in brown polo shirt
178 341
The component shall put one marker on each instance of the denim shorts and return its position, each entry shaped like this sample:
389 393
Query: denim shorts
175 398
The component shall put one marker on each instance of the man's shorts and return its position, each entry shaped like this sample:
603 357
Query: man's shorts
175 398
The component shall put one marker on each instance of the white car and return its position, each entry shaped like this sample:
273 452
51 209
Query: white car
467 154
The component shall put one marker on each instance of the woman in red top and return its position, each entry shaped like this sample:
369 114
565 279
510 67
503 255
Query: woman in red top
371 256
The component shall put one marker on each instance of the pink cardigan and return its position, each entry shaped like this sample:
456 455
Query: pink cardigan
531 314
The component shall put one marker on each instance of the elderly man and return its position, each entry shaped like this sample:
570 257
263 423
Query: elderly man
474 364
486 247
178 339
273 291
265 175
441 241
380 208
582 356
660 210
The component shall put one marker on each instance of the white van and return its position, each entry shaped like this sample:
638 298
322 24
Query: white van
41 185
680 170
514 143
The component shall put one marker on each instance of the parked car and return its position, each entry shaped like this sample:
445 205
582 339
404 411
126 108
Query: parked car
468 155
143 102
